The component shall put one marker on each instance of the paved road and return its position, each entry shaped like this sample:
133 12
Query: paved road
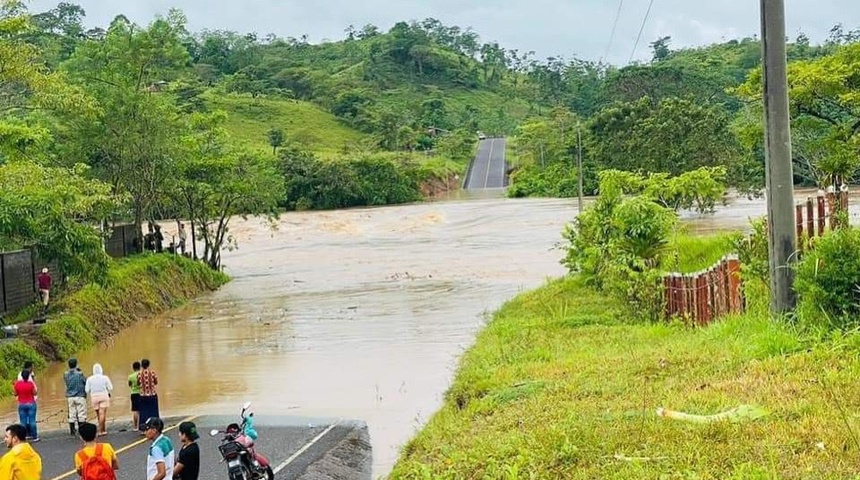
488 169
291 444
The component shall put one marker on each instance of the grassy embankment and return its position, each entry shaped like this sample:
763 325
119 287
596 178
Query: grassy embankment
564 383
136 288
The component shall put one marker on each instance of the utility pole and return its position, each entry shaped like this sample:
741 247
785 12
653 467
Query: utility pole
579 164
782 240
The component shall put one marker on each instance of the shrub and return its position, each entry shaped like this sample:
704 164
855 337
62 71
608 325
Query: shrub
828 281
619 244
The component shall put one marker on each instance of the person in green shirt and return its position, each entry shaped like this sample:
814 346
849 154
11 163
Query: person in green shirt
134 385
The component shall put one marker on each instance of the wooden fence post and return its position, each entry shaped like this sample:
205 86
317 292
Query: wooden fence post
810 218
822 212
734 270
798 214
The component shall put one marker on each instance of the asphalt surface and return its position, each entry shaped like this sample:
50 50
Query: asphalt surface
291 444
488 169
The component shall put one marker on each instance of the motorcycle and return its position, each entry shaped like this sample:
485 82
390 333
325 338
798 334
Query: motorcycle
237 449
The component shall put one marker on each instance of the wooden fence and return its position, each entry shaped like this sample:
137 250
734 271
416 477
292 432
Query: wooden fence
704 297
815 215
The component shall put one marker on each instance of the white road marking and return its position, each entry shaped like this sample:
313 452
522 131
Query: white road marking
304 448
489 163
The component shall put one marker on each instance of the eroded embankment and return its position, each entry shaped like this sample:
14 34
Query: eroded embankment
135 289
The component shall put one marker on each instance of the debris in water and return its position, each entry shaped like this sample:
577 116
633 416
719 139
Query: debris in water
739 414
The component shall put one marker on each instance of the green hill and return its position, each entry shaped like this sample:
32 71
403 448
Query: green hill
304 124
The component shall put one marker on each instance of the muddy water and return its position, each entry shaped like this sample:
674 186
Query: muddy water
358 314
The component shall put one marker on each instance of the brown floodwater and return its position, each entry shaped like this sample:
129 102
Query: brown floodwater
358 314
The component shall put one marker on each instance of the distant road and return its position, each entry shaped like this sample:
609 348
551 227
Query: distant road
488 169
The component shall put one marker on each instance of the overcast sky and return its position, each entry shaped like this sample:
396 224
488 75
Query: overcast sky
549 27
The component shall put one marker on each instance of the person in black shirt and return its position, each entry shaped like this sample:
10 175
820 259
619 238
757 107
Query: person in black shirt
188 462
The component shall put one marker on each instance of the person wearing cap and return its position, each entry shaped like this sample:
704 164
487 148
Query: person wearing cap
188 463
44 280
161 457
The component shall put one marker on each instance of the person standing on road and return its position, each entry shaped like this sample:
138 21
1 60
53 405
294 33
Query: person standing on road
134 386
148 381
188 462
44 280
21 462
26 391
99 388
76 395
96 461
161 457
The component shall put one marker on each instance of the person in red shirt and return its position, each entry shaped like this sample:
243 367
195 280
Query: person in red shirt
44 280
26 392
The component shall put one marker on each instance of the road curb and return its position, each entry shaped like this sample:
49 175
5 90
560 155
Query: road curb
351 458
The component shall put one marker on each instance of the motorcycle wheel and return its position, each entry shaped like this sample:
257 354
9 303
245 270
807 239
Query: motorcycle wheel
240 474
270 475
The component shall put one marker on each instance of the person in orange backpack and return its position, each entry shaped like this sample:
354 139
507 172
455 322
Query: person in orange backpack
96 461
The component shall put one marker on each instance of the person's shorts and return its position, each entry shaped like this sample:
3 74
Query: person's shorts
100 400
135 402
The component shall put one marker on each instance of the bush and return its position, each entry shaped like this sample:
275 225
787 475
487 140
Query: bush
828 281
618 246
367 180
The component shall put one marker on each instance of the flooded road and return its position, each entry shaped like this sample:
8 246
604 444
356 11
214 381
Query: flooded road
357 314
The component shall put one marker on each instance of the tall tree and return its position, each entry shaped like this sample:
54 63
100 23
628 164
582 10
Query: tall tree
216 182
131 142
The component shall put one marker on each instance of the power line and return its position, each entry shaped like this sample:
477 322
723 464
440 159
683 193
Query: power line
641 29
614 28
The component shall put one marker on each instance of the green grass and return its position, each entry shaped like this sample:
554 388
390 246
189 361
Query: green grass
304 124
690 253
135 288
561 384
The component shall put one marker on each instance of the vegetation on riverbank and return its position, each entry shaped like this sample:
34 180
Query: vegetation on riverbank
564 383
134 289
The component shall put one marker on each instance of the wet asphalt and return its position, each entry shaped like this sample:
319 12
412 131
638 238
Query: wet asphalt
290 443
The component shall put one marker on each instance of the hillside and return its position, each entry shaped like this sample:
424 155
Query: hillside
304 124
393 85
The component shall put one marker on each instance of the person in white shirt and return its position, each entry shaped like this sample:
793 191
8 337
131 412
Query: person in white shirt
161 456
99 388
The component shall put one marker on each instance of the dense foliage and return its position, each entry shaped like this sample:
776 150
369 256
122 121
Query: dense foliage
827 280
619 243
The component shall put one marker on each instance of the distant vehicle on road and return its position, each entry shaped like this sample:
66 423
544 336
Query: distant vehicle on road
481 136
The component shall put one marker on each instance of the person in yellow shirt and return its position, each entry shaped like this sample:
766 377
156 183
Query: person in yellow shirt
21 462
107 464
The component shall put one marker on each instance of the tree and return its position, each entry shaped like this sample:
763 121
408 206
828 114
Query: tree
276 139
131 143
661 49
825 109
674 136
216 182
27 85
55 210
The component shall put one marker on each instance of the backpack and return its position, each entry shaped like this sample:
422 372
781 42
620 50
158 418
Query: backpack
96 467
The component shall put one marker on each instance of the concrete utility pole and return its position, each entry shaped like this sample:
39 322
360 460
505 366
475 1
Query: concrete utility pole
782 240
579 164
